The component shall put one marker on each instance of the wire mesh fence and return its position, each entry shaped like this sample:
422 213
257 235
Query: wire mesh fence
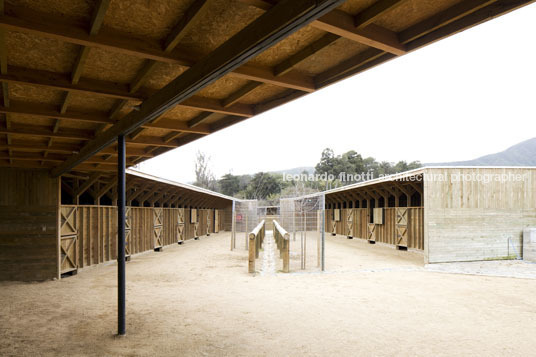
245 218
303 218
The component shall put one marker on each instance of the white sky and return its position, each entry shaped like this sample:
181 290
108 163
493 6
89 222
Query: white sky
469 95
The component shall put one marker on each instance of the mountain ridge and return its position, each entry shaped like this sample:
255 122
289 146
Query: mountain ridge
520 154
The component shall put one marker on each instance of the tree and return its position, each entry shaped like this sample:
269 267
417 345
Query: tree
203 175
351 163
229 184
263 185
327 162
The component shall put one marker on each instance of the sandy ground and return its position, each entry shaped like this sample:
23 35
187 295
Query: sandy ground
197 299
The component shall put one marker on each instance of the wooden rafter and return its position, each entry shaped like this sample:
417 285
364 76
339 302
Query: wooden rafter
373 12
139 190
412 38
240 93
57 159
342 24
96 22
107 187
19 108
87 184
32 22
283 19
148 194
56 81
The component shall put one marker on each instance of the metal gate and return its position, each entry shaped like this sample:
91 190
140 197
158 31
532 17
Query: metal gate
68 240
158 218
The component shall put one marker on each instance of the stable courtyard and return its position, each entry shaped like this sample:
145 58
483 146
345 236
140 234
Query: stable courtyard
198 299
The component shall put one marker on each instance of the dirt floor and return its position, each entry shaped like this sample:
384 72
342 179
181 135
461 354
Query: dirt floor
197 299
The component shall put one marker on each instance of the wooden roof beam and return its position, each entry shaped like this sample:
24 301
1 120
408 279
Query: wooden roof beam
371 13
171 42
240 93
282 20
107 187
171 197
138 192
342 24
28 21
189 19
157 197
417 36
292 61
57 81
85 135
87 184
67 149
20 108
148 195
36 164
96 22
55 158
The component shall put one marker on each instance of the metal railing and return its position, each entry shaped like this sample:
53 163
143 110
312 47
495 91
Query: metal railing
256 238
282 237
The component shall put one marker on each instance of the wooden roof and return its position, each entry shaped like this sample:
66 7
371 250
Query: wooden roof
75 73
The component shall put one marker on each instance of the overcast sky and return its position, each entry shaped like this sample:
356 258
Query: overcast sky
469 95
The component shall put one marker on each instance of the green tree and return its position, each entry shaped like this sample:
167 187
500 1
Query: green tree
263 185
327 162
229 184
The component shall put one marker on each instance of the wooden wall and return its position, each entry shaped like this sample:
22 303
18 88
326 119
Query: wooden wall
386 232
474 220
29 202
96 228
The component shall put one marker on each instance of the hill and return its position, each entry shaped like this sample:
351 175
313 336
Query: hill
296 170
522 154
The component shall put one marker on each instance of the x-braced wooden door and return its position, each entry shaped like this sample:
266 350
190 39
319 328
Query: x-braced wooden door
350 223
180 226
68 240
158 219
372 232
336 218
194 219
128 227
402 227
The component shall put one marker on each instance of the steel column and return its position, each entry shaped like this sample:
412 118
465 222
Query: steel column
121 324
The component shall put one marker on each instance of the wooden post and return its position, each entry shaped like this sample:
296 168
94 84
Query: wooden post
233 227
255 238
286 253
252 254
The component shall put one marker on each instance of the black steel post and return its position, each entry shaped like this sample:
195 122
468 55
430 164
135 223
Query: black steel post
121 328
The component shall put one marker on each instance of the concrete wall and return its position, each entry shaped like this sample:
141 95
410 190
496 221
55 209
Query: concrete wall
467 219
29 202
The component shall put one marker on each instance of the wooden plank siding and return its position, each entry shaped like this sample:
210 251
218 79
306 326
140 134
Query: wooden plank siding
470 220
29 224
385 233
97 231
